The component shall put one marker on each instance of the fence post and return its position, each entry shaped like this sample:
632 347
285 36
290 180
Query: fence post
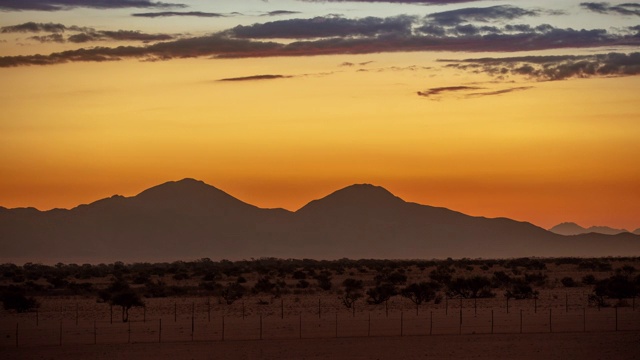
111 313
209 309
354 308
520 321
144 313
95 333
507 304
129 332
242 310
566 303
431 323
60 340
17 345
281 308
37 318
401 323
386 307
535 305
369 325
300 327
193 321
492 321
319 309
160 330
260 326
550 327
76 314
223 327
584 319
616 317
446 305
460 324
475 306
336 324
175 312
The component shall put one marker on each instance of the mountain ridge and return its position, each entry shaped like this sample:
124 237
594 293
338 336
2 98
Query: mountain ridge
191 219
571 228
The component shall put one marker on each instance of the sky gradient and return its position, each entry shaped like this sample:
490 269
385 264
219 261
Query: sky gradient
527 110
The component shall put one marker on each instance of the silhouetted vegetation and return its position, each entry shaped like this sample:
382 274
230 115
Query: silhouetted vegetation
119 293
352 292
14 298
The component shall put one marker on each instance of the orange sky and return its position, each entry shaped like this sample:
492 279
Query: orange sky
557 151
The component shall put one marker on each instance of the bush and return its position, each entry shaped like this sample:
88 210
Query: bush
589 279
13 298
381 293
568 282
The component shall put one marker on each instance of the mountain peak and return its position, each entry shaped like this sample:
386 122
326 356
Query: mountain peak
570 228
355 197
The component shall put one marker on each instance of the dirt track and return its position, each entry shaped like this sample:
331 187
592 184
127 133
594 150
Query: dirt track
609 345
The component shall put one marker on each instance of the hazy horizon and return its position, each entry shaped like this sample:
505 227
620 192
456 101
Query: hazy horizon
526 110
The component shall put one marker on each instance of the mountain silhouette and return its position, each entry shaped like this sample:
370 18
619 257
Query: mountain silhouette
189 219
570 228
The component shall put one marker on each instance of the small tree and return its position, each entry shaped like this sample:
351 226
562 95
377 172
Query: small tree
232 292
120 294
420 292
13 298
381 293
352 292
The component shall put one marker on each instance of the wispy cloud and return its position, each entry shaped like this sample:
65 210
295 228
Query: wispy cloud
33 27
57 5
440 90
487 14
630 9
420 2
326 26
545 68
500 92
81 34
181 13
256 77
280 12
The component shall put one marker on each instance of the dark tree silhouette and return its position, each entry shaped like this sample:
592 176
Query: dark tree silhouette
381 293
14 298
420 292
232 292
473 287
119 293
352 292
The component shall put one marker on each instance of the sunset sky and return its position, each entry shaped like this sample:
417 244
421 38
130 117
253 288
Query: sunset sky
523 109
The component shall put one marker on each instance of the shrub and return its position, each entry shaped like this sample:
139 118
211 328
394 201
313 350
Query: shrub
13 298
568 282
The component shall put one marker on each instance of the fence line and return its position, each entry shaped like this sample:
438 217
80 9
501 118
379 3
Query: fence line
303 326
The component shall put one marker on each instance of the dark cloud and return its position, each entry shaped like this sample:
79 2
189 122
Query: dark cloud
320 27
179 13
55 37
499 92
632 9
358 36
440 90
281 12
256 77
34 27
420 2
120 35
56 5
561 67
493 13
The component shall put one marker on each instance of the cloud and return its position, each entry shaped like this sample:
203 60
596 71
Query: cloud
440 90
179 13
632 9
499 92
33 27
492 13
547 68
280 12
120 35
419 2
58 38
343 36
57 5
327 26
256 77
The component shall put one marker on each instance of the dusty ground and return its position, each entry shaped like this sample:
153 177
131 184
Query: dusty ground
584 346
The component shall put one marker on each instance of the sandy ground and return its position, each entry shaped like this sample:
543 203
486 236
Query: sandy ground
584 346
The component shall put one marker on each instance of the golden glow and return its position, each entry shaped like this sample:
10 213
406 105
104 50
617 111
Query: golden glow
560 151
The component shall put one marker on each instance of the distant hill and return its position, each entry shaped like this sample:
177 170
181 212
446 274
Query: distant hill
569 228
189 219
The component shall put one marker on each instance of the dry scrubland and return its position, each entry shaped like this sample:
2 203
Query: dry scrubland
258 308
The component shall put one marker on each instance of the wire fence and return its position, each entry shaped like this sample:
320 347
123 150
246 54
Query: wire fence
202 323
